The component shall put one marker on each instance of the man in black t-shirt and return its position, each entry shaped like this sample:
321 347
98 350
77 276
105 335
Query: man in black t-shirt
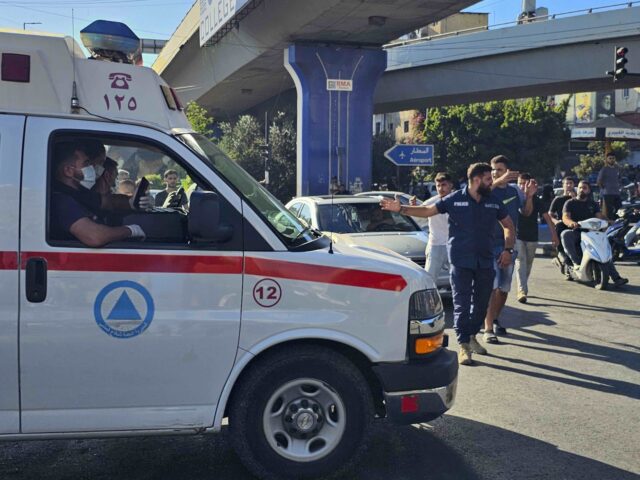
76 211
555 209
576 210
527 239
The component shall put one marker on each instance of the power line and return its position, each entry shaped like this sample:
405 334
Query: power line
83 19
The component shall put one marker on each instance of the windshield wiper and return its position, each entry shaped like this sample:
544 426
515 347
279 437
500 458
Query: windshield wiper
306 229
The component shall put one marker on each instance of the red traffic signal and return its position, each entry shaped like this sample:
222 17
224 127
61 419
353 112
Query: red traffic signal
619 62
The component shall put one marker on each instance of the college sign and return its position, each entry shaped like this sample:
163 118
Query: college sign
214 14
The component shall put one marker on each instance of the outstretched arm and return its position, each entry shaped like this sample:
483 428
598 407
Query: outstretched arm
424 211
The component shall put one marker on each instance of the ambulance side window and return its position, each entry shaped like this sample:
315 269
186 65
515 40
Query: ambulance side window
95 177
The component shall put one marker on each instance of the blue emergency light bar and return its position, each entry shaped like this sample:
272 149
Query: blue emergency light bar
112 41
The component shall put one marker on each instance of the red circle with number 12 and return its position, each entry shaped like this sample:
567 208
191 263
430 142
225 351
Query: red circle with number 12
267 292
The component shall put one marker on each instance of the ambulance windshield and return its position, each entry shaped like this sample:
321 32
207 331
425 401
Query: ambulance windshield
290 229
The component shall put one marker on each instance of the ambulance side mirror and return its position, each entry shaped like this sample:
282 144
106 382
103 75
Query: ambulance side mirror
204 219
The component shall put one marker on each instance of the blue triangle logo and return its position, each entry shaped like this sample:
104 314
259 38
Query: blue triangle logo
124 309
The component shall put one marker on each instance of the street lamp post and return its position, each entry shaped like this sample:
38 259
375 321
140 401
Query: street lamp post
24 24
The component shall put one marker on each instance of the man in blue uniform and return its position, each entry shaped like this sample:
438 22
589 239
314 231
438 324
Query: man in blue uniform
473 215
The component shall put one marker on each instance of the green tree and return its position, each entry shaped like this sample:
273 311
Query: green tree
242 140
593 162
199 119
382 169
530 132
282 168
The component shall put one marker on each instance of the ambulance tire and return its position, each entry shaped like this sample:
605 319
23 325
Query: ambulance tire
337 376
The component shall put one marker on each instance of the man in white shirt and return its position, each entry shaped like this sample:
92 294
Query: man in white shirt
438 228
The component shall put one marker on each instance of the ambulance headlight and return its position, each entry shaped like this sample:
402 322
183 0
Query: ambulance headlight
425 304
426 324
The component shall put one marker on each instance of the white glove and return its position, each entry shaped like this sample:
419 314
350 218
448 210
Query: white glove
136 231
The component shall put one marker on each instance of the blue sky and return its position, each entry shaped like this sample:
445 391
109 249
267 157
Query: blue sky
159 18
501 11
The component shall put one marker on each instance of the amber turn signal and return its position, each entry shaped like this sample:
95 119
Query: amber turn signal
428 345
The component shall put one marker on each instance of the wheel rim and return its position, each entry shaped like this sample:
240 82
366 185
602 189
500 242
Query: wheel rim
304 420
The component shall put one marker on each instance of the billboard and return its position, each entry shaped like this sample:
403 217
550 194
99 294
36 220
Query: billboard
605 104
584 108
214 14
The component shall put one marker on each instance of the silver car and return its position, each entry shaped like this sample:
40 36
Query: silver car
363 222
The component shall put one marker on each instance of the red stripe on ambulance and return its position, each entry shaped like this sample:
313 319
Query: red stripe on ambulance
117 262
205 264
8 260
321 274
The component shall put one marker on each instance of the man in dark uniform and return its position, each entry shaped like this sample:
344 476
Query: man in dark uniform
78 212
473 214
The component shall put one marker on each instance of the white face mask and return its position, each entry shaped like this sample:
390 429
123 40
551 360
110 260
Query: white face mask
89 174
99 170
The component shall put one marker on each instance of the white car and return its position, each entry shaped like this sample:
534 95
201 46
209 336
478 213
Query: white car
364 223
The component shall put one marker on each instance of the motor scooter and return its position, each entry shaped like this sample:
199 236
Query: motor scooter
596 255
624 234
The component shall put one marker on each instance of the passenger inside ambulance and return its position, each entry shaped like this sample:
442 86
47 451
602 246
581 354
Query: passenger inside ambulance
77 211
106 169
100 210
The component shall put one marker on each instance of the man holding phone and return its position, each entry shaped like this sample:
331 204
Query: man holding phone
79 213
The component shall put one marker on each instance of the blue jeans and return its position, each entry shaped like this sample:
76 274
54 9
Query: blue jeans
504 275
471 290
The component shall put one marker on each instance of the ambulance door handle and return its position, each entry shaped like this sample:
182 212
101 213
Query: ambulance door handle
36 280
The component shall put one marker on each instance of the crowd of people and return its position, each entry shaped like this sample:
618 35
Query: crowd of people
488 230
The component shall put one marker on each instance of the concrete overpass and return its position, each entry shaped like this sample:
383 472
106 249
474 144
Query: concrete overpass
564 55
333 56
332 53
245 67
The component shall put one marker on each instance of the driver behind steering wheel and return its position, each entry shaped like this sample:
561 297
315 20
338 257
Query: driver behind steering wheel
378 219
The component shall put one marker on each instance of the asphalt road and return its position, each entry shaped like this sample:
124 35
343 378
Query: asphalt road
558 399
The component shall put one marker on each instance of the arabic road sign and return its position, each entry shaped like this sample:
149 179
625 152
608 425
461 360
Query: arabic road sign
411 155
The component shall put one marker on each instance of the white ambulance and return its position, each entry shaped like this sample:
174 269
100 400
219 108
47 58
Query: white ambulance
230 308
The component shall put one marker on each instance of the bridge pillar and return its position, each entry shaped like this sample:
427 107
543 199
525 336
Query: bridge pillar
334 118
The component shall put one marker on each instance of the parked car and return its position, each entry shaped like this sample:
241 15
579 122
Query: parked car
358 220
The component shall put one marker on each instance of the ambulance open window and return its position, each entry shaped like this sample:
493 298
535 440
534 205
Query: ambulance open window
97 177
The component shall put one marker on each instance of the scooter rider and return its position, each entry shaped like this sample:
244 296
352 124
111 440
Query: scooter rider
576 210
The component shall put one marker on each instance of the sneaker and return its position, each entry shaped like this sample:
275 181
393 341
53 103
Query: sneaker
498 329
490 337
464 354
618 282
522 297
476 347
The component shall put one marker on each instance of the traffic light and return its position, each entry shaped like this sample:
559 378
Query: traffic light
619 62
